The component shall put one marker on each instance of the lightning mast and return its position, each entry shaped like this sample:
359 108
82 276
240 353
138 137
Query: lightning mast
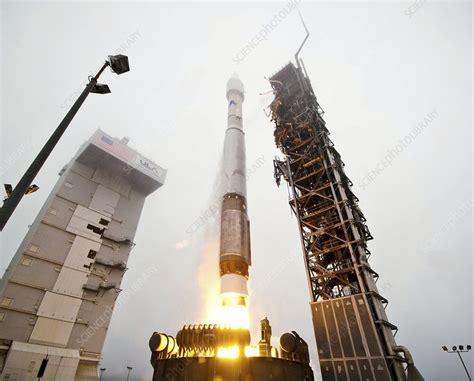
354 337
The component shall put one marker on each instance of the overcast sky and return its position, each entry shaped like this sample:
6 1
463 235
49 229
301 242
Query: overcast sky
379 70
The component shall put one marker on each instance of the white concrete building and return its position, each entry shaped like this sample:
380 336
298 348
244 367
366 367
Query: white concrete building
59 291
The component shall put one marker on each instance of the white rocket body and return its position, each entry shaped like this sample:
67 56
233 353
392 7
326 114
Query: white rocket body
235 257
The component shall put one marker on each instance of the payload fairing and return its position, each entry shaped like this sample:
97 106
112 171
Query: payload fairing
234 260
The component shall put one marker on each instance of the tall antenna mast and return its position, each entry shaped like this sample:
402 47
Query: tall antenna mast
304 41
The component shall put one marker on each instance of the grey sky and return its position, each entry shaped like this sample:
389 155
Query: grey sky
379 69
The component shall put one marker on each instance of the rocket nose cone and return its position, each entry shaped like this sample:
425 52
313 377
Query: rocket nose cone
235 84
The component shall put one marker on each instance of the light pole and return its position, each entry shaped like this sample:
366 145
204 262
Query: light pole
458 350
102 370
119 65
129 370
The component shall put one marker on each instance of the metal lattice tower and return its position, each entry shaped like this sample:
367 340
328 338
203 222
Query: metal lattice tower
354 337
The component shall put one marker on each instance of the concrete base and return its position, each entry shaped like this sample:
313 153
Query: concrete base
220 369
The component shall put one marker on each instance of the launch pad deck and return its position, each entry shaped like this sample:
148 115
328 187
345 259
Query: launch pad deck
225 369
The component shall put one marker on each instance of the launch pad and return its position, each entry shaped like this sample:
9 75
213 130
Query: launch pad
217 369
215 353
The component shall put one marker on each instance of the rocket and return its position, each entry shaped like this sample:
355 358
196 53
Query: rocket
235 257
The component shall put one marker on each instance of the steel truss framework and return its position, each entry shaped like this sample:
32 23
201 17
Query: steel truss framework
333 229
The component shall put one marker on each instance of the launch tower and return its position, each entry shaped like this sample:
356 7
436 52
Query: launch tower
355 339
